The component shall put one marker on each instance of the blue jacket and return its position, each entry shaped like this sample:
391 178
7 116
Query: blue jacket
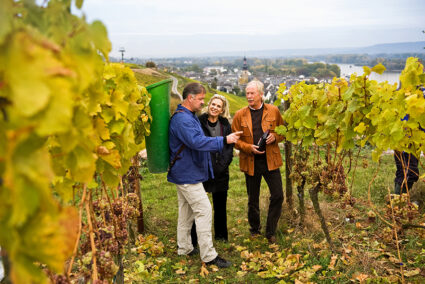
194 164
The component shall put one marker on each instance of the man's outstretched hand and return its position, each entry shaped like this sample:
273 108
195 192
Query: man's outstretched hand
233 137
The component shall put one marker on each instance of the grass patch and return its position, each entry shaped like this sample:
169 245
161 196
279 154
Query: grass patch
365 248
145 78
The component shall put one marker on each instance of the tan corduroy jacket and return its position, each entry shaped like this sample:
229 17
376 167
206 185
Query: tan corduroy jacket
242 122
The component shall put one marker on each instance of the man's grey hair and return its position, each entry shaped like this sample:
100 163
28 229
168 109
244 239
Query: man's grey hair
257 84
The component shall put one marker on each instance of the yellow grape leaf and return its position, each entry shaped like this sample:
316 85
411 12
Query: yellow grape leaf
101 128
367 70
119 104
30 90
379 68
48 239
57 117
360 128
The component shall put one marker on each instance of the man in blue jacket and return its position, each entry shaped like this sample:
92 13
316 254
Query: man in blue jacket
190 166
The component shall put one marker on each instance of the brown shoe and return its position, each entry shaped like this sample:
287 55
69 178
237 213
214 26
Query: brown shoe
271 239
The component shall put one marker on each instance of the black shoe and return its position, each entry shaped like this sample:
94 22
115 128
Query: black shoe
193 252
271 239
220 262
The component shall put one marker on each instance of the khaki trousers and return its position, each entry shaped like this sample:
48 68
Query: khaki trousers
194 205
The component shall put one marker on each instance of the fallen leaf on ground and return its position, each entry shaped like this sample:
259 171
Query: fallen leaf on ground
204 271
360 277
333 262
214 268
411 273
180 271
241 273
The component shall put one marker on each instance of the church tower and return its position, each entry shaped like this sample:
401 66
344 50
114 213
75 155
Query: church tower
244 78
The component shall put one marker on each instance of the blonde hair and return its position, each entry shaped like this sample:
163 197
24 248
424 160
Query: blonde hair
226 112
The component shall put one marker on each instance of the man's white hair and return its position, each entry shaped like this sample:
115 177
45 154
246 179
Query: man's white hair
257 84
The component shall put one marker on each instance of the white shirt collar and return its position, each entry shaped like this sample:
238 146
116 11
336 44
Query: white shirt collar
257 108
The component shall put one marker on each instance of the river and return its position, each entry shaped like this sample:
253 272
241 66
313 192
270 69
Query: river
348 69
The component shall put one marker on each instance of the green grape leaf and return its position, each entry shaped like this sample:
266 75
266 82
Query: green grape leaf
116 126
310 122
397 131
81 163
6 18
79 3
100 38
376 154
348 93
308 141
63 186
110 175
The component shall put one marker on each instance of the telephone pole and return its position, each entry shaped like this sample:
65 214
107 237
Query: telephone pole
122 50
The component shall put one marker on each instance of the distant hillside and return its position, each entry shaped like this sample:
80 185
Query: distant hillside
399 47
147 76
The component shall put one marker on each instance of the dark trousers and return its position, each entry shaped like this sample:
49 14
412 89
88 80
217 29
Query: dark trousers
405 163
253 183
220 218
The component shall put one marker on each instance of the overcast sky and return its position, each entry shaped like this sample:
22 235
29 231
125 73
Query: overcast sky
170 28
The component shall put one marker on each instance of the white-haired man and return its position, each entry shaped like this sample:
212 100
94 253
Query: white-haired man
254 120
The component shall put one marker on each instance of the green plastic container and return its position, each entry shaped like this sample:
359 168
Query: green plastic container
157 143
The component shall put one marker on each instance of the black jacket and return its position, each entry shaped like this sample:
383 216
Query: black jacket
220 161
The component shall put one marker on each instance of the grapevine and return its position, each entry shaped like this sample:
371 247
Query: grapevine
345 114
66 114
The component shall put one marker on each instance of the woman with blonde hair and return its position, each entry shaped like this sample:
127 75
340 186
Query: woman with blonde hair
214 122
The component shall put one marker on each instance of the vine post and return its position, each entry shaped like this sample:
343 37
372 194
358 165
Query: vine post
288 165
